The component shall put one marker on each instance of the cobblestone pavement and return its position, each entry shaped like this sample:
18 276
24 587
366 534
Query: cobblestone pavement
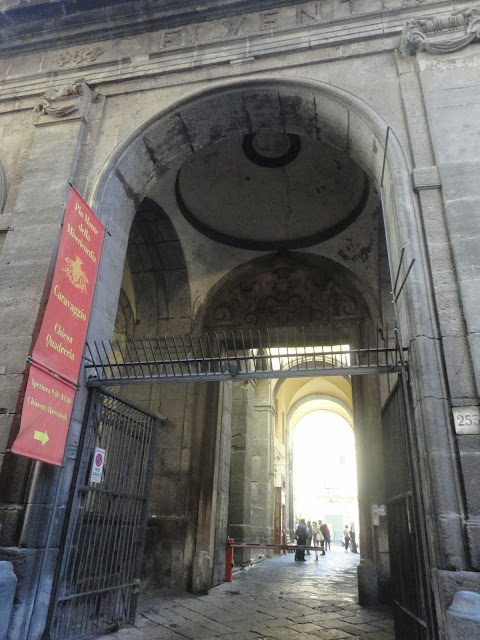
277 599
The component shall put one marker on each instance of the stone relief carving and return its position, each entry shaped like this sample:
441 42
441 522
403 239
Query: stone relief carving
288 295
442 34
78 56
63 97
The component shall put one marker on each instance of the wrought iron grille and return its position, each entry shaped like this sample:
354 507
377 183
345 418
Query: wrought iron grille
99 575
409 589
223 355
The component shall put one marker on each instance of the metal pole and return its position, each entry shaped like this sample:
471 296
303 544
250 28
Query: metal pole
45 550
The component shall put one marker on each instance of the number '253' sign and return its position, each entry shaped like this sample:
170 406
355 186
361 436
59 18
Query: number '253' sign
467 420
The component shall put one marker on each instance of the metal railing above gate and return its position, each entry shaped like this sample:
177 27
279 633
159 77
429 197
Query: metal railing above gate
242 354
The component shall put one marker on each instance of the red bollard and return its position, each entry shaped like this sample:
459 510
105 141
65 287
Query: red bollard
229 563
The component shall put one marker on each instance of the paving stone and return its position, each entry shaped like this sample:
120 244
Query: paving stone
276 599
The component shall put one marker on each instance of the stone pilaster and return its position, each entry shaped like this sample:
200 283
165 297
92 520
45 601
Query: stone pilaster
262 464
239 510
51 156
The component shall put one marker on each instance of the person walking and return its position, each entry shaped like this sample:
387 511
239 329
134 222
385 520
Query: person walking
353 542
317 538
327 538
323 529
346 538
301 538
309 536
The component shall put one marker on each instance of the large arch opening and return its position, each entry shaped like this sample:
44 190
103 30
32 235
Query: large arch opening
193 247
325 472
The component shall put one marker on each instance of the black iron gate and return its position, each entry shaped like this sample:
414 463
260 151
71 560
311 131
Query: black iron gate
98 581
411 591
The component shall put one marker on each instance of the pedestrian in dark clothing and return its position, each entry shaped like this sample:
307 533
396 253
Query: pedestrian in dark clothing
327 538
346 538
301 538
323 529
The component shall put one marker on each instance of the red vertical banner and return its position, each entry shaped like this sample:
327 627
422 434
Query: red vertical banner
57 355
60 344
46 413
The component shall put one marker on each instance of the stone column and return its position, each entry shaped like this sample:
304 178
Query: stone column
239 509
51 151
262 464
370 469
214 404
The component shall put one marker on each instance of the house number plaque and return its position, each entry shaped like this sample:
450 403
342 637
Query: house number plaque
467 420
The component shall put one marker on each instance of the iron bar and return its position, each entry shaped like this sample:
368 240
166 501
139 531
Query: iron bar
399 268
405 279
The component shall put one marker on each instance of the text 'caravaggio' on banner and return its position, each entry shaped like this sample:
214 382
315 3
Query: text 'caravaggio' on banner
57 354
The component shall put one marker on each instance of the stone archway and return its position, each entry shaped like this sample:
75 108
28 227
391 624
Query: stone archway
311 109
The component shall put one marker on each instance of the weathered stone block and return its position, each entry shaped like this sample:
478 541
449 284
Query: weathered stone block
367 583
433 413
459 367
470 462
449 534
470 290
463 616
207 121
32 275
6 420
9 389
425 363
473 537
300 113
459 180
18 318
137 169
449 582
474 340
11 517
461 216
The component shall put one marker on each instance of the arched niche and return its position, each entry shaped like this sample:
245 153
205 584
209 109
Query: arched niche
289 289
155 281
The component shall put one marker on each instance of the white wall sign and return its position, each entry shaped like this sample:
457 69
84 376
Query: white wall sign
97 465
467 420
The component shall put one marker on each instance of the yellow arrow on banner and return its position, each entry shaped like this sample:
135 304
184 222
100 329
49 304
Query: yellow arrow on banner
40 435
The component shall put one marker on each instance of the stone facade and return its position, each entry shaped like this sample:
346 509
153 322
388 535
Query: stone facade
114 98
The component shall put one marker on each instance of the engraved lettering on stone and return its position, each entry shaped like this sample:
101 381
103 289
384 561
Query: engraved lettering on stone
290 294
173 38
307 16
79 56
442 34
269 20
233 25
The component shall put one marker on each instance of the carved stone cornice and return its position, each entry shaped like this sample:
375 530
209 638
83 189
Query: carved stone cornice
441 34
315 28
